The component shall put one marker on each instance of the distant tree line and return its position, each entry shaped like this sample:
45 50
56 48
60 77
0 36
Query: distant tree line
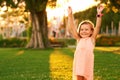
108 17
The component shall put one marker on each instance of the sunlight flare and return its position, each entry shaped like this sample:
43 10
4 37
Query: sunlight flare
115 50
20 52
80 5
62 5
60 66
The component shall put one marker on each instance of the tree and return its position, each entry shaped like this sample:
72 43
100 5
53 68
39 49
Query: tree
113 5
112 12
39 37
37 9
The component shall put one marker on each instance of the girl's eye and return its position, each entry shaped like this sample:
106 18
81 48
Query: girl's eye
81 29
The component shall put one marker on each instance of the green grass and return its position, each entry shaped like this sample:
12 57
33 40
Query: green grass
20 64
55 64
107 63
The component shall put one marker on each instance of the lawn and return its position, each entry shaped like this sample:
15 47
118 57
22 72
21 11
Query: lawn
55 64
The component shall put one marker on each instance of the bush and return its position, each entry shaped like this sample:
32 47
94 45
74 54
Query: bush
13 42
63 42
108 41
57 43
1 37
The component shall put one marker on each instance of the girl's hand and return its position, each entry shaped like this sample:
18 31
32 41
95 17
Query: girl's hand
100 8
69 10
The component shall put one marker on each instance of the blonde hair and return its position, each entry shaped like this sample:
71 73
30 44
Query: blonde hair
85 22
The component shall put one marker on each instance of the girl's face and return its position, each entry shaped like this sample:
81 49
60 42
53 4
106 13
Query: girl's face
85 30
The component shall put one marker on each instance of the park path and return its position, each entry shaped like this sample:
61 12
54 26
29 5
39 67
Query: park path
60 65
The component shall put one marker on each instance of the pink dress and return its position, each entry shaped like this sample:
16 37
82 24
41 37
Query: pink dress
83 63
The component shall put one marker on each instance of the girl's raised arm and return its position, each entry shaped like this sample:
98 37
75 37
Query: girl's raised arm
98 21
71 25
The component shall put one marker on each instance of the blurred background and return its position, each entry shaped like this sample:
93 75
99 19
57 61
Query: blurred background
18 21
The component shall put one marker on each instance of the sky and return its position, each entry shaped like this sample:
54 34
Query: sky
80 5
77 5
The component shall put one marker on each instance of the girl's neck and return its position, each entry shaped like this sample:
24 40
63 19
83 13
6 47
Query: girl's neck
84 37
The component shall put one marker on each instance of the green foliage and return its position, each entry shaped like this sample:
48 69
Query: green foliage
13 42
31 5
84 15
108 41
107 18
57 43
52 3
36 5
10 3
1 37
111 3
101 41
29 32
115 3
63 42
116 19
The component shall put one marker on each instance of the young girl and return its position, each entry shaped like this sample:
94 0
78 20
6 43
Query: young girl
85 35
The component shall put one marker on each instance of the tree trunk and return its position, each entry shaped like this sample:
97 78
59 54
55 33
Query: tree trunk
39 37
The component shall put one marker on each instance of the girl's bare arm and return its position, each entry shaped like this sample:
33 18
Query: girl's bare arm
71 25
98 21
97 27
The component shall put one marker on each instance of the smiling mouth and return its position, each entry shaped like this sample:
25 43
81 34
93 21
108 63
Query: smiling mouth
84 34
